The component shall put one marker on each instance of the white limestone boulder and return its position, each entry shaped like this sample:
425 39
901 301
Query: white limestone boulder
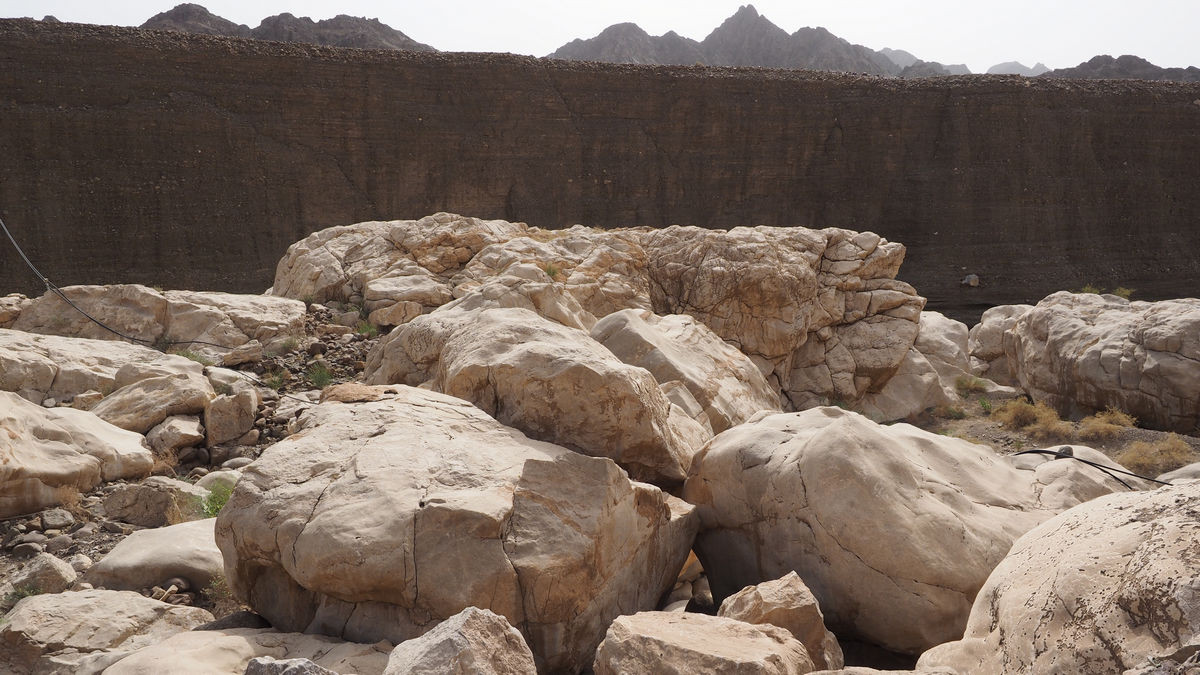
473 641
50 366
98 623
674 642
46 451
724 382
985 342
153 556
787 603
892 528
228 417
378 520
1101 588
1083 352
176 432
552 382
146 403
132 309
155 502
229 652
10 308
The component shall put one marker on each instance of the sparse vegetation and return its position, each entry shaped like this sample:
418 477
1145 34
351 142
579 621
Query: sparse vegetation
1088 288
1153 459
367 328
194 356
223 388
551 271
71 500
985 405
224 602
184 509
217 497
162 343
949 412
319 375
1123 292
1037 419
274 380
1105 425
967 385
18 592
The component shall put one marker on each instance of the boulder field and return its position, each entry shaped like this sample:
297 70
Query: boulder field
580 451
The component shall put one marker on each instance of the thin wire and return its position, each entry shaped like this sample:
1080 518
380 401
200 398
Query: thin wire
1106 469
166 344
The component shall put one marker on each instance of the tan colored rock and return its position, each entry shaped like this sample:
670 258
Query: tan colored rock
45 450
552 382
131 309
1186 473
985 342
144 404
527 286
227 652
50 366
43 573
1083 352
88 622
724 382
225 478
226 418
1099 589
231 320
670 642
894 529
150 557
915 387
175 432
788 604
10 308
155 502
472 641
378 520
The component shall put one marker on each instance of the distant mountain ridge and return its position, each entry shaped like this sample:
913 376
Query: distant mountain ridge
745 39
1125 67
340 31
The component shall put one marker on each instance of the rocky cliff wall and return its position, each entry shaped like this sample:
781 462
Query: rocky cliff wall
193 161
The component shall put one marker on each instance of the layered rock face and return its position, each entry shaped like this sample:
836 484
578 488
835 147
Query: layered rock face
893 529
1085 352
379 519
1098 589
818 312
195 188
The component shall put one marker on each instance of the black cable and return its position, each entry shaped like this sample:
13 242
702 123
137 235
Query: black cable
1106 469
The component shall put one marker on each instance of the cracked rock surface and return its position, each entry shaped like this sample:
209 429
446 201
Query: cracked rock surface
378 519
1098 589
892 528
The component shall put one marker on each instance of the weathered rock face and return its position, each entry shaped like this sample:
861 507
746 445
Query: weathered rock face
786 602
1085 352
986 342
87 622
1100 588
724 382
380 519
472 641
223 319
41 366
155 502
44 573
904 158
893 529
45 450
818 312
675 642
148 402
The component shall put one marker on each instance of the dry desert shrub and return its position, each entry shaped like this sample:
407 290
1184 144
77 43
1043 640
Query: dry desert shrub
967 385
1159 457
1105 425
222 598
1037 419
71 499
164 463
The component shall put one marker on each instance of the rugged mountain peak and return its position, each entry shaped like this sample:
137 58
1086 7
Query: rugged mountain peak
628 43
1128 66
1017 68
192 18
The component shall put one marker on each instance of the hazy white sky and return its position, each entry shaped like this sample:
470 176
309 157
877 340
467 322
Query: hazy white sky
1060 33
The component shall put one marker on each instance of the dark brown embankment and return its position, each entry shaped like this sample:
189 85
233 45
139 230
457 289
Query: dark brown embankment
192 161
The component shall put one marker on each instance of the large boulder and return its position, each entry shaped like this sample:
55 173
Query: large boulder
230 651
43 573
146 403
676 642
894 529
552 382
41 366
725 383
787 603
1083 352
92 622
46 453
10 308
155 502
1101 588
225 320
473 641
985 342
152 557
819 312
378 520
